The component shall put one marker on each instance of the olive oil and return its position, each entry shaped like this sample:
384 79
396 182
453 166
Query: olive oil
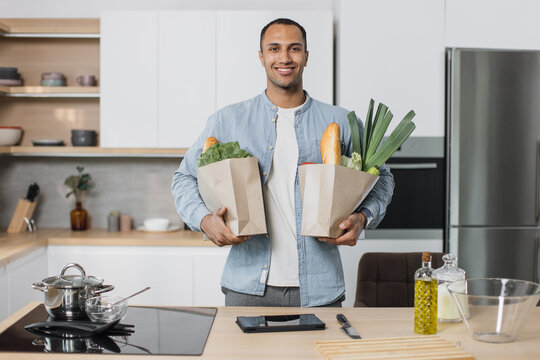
425 298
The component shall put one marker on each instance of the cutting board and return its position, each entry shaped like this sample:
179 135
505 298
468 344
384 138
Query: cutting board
411 347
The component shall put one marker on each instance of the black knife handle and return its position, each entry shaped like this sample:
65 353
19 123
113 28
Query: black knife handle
341 319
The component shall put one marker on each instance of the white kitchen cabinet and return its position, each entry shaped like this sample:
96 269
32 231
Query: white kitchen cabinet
241 76
164 72
21 274
393 51
167 270
186 75
350 256
129 78
179 276
208 264
4 294
495 24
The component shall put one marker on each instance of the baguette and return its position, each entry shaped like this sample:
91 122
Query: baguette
331 145
208 143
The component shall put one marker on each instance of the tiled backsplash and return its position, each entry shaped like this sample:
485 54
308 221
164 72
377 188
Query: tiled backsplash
140 187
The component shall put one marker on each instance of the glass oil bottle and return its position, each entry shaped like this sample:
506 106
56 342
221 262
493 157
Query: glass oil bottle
425 298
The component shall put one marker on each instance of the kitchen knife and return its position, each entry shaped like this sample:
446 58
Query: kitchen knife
346 327
33 192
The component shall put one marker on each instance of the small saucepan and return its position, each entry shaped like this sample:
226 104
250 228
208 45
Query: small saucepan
65 295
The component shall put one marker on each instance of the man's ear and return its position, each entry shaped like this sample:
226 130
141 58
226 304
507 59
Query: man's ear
307 57
261 58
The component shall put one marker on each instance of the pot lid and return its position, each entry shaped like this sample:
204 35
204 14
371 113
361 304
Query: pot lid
72 281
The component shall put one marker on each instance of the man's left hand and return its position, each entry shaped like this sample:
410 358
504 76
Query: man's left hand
352 226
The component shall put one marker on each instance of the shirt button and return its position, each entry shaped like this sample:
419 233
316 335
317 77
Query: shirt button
266 266
264 173
267 236
270 147
274 119
275 107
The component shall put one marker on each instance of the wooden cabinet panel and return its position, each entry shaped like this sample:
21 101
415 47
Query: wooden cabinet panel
393 51
186 75
129 78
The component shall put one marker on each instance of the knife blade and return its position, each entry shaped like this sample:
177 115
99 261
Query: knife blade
346 327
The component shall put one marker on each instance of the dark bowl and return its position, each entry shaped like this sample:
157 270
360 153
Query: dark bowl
83 137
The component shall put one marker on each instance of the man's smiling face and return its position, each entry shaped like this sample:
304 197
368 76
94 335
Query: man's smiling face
283 55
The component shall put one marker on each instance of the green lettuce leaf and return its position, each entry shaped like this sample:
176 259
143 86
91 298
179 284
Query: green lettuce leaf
222 151
353 162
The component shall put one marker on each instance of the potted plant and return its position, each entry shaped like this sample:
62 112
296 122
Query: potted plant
79 184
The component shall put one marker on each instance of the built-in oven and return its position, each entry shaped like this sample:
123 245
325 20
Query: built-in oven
419 198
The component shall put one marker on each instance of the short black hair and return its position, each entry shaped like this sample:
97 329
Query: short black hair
284 21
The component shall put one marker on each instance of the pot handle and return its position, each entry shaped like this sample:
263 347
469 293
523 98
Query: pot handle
77 266
39 286
105 288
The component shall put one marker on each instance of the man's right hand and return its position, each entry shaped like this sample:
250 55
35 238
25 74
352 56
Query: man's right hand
215 229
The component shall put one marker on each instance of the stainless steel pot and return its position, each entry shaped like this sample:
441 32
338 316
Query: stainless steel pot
65 295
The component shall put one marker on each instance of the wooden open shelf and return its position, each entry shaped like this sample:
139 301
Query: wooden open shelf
50 91
90 151
44 27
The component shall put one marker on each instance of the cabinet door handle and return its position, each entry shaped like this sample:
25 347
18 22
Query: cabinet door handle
412 166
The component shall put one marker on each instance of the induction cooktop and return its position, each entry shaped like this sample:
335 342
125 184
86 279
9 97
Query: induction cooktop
153 330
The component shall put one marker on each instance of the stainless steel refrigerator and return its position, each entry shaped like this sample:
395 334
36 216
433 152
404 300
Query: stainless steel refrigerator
493 147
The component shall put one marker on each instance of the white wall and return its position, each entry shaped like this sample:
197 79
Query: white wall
93 8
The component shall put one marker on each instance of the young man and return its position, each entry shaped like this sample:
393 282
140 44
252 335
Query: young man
282 127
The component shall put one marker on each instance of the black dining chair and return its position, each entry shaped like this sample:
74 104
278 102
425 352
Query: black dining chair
387 279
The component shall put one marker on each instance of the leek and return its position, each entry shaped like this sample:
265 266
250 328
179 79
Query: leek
372 155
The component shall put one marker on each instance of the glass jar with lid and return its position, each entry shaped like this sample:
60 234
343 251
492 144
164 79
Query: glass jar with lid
446 308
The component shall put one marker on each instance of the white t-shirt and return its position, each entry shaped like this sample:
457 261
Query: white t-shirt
279 199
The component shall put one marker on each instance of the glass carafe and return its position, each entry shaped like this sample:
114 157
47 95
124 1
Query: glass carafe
446 274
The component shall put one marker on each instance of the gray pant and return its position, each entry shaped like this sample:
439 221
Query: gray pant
273 296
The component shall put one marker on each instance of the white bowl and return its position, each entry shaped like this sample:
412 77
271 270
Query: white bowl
10 135
156 224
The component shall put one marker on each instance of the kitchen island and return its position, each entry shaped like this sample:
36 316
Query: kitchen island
227 341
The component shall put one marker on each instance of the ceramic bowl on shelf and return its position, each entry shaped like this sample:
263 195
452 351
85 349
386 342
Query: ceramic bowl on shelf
53 76
10 135
156 224
83 137
53 82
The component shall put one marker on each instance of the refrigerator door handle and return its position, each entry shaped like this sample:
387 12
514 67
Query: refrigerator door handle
537 259
537 201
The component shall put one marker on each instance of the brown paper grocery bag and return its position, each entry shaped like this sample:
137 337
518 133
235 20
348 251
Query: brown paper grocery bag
236 184
330 193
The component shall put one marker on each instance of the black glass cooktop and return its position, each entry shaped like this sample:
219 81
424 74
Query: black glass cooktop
161 331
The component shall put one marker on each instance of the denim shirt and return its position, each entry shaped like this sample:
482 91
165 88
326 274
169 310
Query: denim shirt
252 124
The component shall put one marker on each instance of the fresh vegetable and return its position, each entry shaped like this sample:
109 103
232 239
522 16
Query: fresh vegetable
353 162
222 151
370 154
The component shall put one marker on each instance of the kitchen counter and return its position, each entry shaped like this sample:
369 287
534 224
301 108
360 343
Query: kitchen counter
14 246
226 340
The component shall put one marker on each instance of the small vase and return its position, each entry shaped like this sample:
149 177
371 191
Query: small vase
79 218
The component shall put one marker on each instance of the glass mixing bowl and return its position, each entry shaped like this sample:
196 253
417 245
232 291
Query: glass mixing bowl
106 309
494 309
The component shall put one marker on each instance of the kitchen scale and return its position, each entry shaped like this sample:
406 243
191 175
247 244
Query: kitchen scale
159 331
